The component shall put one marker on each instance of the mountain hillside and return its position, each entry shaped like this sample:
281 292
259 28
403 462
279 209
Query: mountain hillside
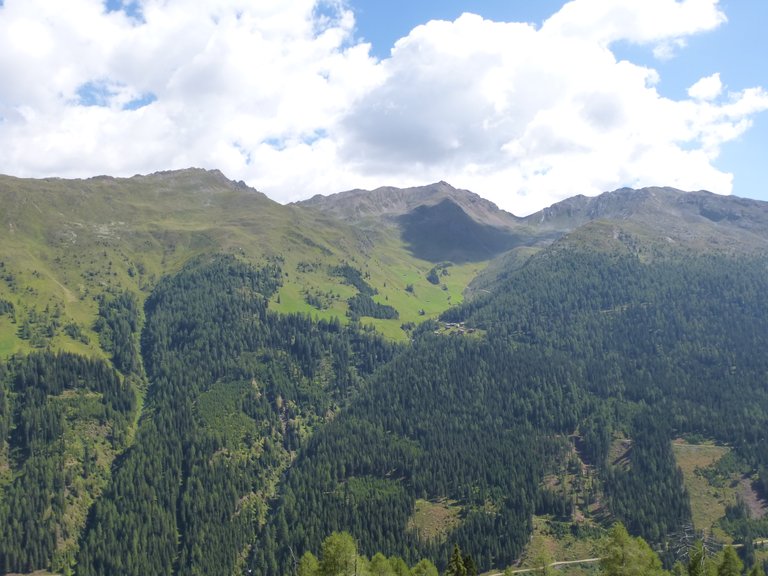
651 222
66 242
195 379
387 203
437 222
698 220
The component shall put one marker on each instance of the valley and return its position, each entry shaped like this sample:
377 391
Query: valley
198 380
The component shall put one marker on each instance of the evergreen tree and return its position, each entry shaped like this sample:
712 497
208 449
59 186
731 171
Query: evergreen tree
470 565
730 565
698 564
456 563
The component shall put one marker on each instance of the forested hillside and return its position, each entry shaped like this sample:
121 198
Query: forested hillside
235 391
198 421
595 343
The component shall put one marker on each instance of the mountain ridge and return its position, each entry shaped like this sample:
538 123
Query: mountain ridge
391 202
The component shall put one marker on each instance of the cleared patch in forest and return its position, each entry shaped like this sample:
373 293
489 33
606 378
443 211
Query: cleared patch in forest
708 499
435 520
555 541
619 453
756 505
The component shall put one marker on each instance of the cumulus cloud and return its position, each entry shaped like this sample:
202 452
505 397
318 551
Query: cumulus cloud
707 88
663 23
282 95
530 116
172 83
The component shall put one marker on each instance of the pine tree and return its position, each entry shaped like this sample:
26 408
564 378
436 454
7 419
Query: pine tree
470 565
697 560
456 563
730 565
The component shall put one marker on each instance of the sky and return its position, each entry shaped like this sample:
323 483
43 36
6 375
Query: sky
523 102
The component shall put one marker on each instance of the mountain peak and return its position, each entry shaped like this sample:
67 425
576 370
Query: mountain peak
389 203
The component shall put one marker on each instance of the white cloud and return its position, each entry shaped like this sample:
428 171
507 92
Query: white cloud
279 94
660 22
212 80
528 117
707 88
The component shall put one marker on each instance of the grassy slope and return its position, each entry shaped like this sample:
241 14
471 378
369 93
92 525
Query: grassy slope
708 502
66 241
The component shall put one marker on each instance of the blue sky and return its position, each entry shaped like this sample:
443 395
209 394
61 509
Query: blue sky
383 23
736 49
524 102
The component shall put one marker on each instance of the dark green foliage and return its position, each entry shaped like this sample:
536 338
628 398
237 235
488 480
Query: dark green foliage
354 277
447 418
469 564
6 307
649 498
75 332
32 505
730 565
673 339
38 326
456 565
346 432
364 305
117 325
188 496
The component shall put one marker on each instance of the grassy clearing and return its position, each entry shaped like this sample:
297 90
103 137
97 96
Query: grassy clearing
9 342
554 541
291 297
708 502
435 520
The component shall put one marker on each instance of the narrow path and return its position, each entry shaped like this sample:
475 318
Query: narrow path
553 565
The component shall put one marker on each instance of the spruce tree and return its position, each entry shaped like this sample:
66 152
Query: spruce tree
456 563
730 565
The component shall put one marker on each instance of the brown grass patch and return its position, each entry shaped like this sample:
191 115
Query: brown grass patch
435 520
707 502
